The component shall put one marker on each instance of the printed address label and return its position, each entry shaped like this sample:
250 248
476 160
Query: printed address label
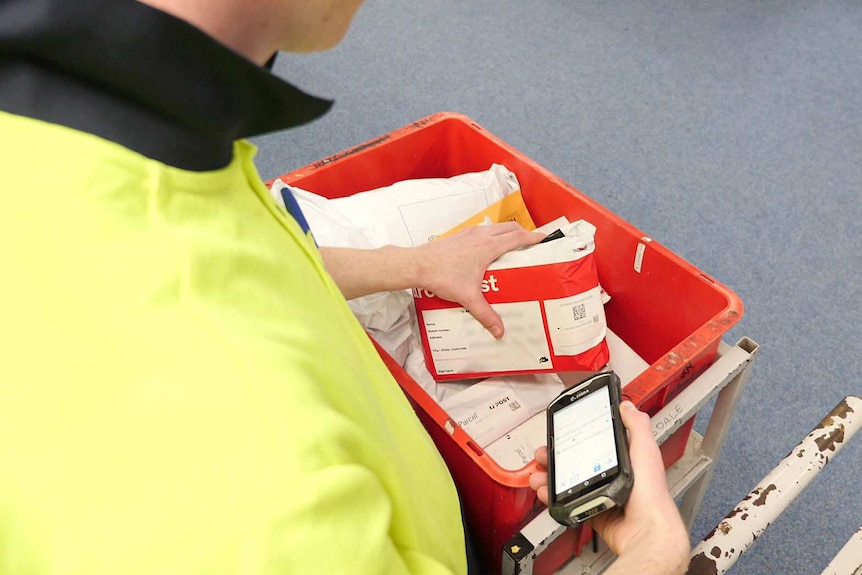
459 343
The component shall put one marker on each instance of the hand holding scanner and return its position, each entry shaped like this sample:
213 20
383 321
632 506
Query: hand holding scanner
589 469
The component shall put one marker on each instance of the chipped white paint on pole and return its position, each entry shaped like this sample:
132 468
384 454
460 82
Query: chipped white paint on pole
736 532
849 559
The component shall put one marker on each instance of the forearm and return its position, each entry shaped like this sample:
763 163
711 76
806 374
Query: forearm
359 272
452 267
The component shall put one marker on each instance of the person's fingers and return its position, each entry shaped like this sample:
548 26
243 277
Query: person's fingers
541 456
633 418
538 479
473 249
638 425
515 239
479 307
501 228
542 494
645 453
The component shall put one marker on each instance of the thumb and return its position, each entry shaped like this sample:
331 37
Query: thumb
479 308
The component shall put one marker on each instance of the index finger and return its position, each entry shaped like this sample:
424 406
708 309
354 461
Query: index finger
515 238
541 456
503 228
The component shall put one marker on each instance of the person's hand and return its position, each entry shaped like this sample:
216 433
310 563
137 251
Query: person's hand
648 530
453 267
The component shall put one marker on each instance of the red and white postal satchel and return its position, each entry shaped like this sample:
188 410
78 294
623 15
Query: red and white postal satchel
549 298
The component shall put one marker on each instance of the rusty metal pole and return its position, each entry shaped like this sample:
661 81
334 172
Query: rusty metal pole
720 550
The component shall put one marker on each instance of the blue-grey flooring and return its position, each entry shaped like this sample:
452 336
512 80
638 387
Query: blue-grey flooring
729 131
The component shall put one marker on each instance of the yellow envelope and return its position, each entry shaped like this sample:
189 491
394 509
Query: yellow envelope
510 209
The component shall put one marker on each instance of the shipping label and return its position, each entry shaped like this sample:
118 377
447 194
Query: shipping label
459 343
576 323
487 411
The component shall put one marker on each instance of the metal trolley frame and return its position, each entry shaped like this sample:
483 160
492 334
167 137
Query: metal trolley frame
689 477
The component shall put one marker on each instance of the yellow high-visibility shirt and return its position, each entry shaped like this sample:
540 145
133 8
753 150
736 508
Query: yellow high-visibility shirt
183 389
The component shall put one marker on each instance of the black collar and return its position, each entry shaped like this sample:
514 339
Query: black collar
141 78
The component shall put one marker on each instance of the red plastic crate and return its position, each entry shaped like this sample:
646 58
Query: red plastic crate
667 310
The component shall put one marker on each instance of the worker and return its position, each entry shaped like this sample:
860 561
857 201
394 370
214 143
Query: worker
183 389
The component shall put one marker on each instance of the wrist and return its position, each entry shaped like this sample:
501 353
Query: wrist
403 266
415 267
660 551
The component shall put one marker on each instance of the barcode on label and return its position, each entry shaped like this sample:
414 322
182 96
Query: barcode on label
514 405
580 311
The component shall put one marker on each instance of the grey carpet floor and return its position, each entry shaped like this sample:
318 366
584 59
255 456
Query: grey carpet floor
729 131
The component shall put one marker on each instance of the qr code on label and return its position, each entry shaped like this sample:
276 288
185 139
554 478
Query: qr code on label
580 311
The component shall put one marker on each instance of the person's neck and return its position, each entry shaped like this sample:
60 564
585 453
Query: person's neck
237 25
